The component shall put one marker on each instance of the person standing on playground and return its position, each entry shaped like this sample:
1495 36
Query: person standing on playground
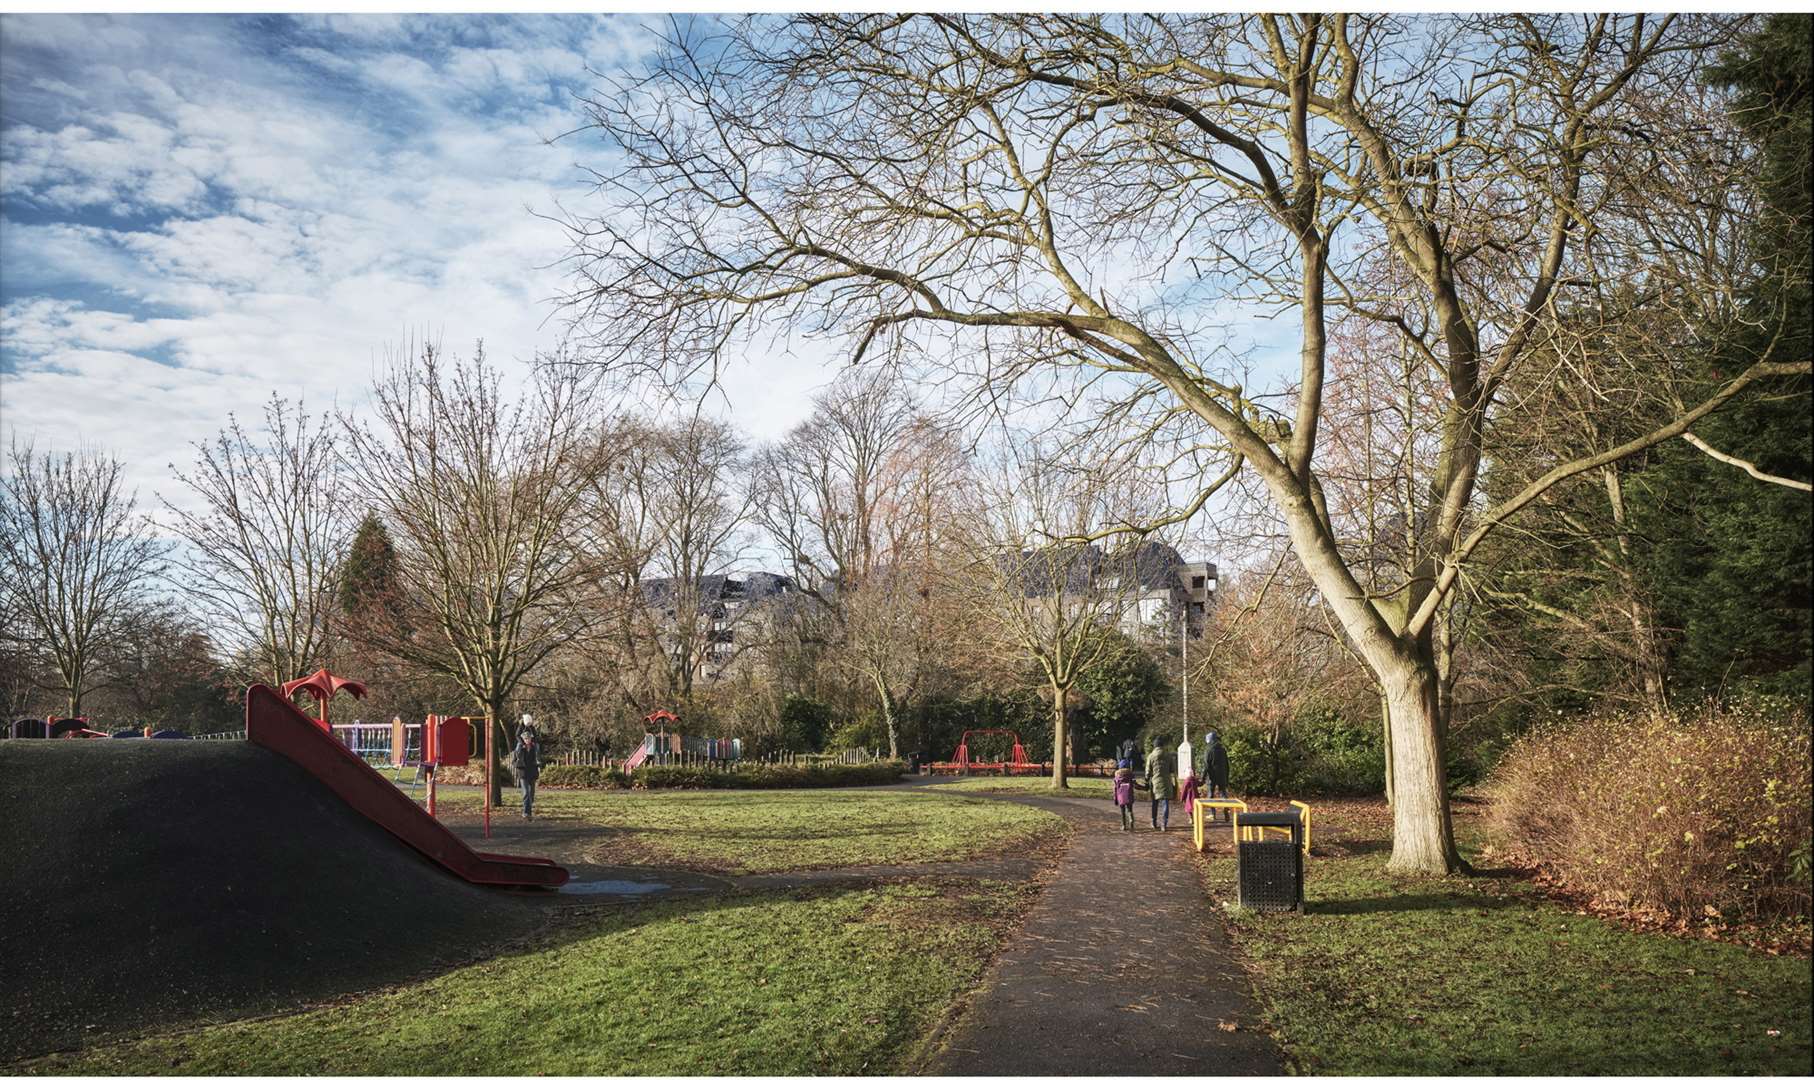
1215 768
526 763
1124 792
1161 783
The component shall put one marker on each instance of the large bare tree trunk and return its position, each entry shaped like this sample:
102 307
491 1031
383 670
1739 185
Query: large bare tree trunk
1060 737
1405 668
894 747
1422 840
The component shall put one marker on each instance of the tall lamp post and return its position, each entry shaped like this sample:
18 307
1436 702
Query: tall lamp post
1184 669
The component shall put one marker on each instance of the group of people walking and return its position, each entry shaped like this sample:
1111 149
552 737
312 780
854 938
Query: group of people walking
1208 779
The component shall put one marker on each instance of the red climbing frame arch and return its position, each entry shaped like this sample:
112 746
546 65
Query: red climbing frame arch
322 686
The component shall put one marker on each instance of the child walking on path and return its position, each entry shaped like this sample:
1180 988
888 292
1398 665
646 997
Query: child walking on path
1124 792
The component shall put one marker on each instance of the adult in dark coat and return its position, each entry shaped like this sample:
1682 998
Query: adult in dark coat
526 763
1215 768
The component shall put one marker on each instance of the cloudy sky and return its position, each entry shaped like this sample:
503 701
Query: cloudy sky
196 211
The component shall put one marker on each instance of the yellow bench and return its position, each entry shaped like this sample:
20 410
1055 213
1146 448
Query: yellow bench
1258 832
1200 810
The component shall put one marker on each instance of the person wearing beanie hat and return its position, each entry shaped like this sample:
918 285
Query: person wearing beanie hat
1215 767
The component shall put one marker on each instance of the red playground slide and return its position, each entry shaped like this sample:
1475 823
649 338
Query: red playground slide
277 725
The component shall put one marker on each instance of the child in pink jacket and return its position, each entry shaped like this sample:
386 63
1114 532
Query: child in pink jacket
1124 793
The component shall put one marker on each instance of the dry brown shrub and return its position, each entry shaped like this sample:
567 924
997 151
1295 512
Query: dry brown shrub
1700 814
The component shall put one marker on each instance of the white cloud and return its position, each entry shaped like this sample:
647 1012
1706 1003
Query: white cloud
217 224
204 222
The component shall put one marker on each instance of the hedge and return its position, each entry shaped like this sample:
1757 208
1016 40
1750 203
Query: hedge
1697 813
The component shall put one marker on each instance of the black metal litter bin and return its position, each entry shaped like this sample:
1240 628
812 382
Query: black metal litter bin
1269 869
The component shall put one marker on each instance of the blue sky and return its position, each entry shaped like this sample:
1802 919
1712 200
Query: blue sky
196 211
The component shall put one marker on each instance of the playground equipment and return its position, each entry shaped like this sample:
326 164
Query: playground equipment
322 686
395 743
447 740
437 741
661 746
1203 808
963 764
275 724
1253 829
54 727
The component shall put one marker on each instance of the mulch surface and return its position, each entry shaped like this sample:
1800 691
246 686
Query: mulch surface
164 883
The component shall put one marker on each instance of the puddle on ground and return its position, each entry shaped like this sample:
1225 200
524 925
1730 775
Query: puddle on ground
611 887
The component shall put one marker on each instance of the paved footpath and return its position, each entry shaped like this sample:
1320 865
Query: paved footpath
1122 968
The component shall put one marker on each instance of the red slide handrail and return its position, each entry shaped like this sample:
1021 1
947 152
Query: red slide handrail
278 726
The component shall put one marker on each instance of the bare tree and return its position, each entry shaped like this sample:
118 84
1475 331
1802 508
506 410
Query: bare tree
900 619
271 522
480 496
883 642
1271 660
1041 598
1047 196
835 496
683 512
78 557
820 489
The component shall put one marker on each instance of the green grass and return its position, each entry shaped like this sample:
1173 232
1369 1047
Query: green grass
1472 976
825 982
1081 787
771 831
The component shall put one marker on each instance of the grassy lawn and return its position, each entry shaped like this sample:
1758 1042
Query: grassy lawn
1081 787
1482 975
823 982
770 831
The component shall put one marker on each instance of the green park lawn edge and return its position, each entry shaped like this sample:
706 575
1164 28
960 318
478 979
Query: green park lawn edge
1484 975
1079 787
765 832
831 980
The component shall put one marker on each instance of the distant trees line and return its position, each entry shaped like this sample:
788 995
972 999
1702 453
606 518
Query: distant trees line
467 548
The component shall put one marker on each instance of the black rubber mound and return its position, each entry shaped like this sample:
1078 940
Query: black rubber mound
149 883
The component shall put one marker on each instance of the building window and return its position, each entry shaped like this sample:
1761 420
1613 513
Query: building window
1197 606
1196 582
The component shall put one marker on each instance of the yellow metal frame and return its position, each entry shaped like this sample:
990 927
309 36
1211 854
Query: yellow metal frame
1258 832
1200 809
1305 807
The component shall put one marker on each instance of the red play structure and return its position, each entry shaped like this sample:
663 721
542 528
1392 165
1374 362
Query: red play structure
275 724
962 763
322 686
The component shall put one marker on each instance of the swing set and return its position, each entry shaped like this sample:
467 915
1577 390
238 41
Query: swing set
962 763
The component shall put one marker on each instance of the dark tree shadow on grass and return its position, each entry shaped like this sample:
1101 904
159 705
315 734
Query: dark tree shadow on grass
1374 905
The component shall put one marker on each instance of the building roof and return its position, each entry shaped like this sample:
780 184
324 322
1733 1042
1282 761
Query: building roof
1151 565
